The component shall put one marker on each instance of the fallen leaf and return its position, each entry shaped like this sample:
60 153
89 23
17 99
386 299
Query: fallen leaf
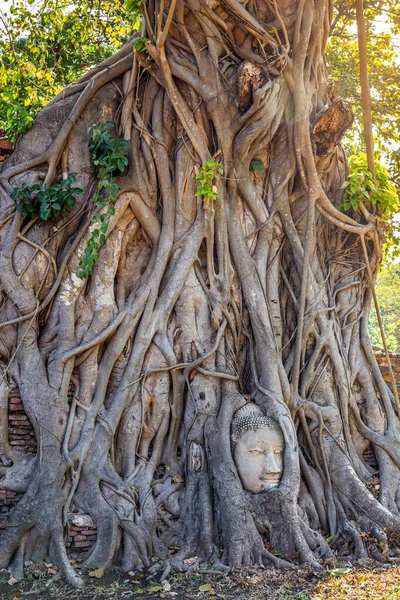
12 581
166 586
155 588
178 479
97 573
190 561
361 579
207 587
52 571
339 572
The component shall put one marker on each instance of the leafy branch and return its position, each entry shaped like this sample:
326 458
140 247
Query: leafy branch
46 202
109 154
359 187
207 177
379 195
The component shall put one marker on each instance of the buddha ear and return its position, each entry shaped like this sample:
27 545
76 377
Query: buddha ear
289 434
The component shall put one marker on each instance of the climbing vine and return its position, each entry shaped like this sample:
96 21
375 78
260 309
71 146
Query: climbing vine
109 154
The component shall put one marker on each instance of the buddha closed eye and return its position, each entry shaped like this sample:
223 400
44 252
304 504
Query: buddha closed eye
257 449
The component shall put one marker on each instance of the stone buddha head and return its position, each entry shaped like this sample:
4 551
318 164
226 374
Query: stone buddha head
258 445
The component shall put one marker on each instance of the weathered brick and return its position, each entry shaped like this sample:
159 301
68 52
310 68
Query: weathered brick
15 400
88 531
85 544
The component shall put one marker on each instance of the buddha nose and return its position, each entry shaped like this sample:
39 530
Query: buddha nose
270 463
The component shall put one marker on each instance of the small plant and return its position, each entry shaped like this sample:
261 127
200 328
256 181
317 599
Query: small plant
46 202
109 154
208 176
140 45
380 194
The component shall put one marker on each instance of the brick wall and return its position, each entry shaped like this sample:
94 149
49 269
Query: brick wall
82 532
383 365
5 146
21 434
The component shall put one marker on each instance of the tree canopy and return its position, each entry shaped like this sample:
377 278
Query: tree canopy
46 45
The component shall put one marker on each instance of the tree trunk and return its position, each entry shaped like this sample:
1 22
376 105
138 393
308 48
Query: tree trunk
252 291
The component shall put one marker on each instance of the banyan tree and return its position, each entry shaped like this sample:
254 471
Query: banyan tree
184 305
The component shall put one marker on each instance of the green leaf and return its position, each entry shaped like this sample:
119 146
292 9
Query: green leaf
257 165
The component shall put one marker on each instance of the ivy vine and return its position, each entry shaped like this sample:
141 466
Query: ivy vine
110 155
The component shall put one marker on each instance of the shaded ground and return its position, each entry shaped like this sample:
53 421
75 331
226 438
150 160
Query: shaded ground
370 581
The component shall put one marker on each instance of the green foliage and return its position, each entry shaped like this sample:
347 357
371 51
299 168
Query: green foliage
46 47
110 155
379 195
140 44
383 26
46 202
133 6
208 176
388 291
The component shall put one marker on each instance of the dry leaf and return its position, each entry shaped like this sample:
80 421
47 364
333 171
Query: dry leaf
190 561
97 573
155 588
166 586
207 587
12 581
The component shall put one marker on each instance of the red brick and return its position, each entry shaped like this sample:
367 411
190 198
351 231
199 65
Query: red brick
83 544
16 407
80 538
5 144
89 531
15 400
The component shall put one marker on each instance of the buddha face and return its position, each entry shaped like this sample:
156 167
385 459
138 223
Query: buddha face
258 458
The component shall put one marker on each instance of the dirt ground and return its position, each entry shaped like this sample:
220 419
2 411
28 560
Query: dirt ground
364 581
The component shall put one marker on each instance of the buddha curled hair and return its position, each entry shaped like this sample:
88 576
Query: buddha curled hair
250 416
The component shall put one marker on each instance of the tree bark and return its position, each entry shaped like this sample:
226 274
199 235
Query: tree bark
196 306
